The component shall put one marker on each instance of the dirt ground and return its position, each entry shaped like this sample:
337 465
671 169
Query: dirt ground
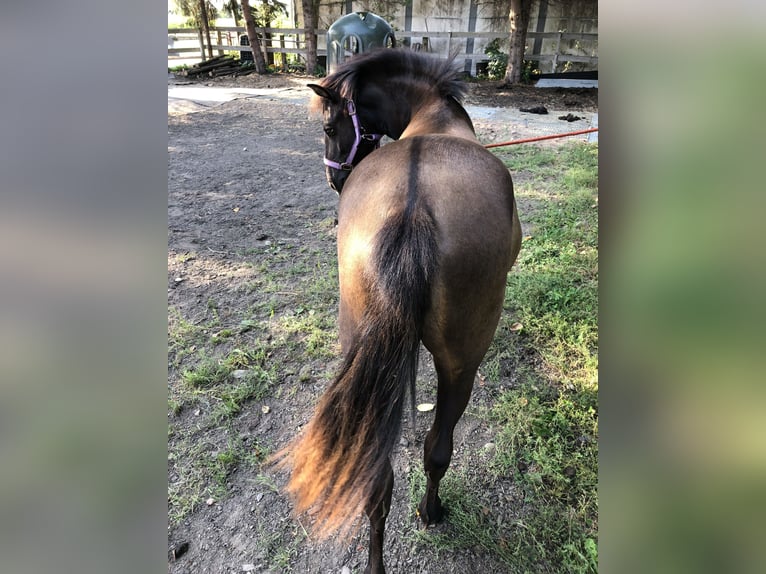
243 177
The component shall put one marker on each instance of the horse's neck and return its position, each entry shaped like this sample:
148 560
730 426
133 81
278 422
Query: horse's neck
436 117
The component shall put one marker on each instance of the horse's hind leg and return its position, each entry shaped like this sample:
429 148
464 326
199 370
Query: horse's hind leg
454 390
377 515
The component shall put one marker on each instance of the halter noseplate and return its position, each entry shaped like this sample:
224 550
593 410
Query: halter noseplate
348 165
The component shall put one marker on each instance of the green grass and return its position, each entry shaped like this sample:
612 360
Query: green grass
218 388
202 472
471 522
227 382
537 161
546 423
185 337
313 334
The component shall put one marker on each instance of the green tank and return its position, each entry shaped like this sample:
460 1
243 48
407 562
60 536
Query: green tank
356 33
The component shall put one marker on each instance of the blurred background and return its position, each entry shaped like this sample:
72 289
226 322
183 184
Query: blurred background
682 478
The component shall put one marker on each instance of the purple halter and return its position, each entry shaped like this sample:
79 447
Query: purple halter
359 136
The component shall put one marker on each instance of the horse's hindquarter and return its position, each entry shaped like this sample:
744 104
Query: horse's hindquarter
472 202
469 194
467 190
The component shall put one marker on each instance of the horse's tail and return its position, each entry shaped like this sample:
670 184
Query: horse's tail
340 461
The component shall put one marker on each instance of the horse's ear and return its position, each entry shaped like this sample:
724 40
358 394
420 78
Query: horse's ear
325 93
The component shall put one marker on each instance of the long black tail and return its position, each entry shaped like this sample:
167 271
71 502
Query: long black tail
338 462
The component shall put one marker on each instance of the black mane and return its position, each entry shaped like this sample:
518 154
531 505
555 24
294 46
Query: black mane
398 65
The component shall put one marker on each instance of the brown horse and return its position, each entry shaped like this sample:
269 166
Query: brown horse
427 232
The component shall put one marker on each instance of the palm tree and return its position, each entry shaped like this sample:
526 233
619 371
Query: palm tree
232 7
199 14
252 35
264 13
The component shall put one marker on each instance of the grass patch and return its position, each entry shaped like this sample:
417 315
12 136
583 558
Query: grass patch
547 445
553 292
219 388
471 521
226 384
279 554
547 437
310 333
537 161
199 471
185 337
208 374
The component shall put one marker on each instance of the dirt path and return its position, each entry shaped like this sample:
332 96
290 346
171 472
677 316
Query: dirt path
245 180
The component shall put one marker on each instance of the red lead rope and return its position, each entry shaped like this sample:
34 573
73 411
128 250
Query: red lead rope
537 139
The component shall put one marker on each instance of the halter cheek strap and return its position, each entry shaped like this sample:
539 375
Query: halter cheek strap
358 137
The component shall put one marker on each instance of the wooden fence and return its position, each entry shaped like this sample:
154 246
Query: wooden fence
226 39
292 41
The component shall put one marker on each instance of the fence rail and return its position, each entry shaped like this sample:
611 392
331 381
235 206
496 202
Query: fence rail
292 41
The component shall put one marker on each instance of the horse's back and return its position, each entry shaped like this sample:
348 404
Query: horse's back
466 189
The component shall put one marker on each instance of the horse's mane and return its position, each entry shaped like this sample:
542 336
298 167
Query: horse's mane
400 65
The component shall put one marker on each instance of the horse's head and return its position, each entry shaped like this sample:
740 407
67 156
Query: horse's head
346 140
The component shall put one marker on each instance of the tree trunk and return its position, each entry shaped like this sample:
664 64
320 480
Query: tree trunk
310 24
519 20
255 43
205 26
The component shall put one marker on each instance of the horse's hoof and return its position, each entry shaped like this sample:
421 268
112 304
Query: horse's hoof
433 516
